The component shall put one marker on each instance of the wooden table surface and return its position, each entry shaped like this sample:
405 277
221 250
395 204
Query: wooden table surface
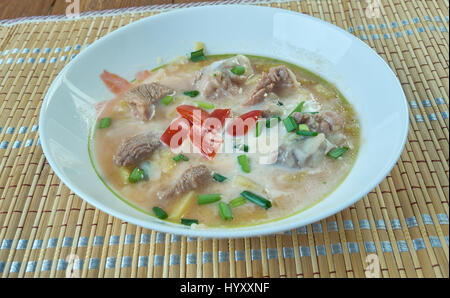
11 9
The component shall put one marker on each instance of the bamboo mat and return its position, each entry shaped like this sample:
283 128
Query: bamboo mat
400 229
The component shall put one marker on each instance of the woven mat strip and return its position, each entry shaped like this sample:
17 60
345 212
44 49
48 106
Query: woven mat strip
400 227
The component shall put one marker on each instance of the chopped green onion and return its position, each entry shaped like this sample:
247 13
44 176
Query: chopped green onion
205 105
303 127
307 133
225 211
270 121
290 124
256 199
192 93
242 147
133 80
188 222
238 70
136 175
166 100
208 198
280 103
219 178
258 128
337 152
310 112
239 201
243 161
214 74
180 157
161 214
298 108
105 122
198 56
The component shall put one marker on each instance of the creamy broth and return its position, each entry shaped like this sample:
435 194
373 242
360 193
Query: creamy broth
290 189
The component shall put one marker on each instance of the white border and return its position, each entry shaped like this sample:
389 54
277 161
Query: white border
129 10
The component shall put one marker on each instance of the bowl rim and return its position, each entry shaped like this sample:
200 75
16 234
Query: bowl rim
219 233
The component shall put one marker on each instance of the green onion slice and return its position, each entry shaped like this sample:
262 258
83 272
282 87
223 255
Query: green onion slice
105 122
256 199
166 100
303 127
136 175
271 121
242 147
225 211
180 157
298 108
239 201
337 152
161 214
205 105
208 198
307 133
243 162
191 93
238 70
258 128
290 124
219 178
188 221
198 56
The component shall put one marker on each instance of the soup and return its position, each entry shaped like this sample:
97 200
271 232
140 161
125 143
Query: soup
224 141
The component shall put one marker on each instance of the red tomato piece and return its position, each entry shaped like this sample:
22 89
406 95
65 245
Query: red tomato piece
115 83
193 114
176 133
241 125
221 115
207 142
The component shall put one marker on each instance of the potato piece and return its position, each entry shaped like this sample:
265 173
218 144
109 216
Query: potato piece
198 45
246 183
289 180
124 174
121 107
166 162
183 204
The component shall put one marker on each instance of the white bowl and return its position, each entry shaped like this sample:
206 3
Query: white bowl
68 113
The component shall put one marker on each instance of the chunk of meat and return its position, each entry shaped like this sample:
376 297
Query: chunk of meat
142 99
307 152
326 122
191 179
217 80
278 78
136 149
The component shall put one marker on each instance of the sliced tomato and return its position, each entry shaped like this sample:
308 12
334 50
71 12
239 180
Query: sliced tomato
115 83
207 142
176 133
207 136
205 130
193 114
221 115
241 125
